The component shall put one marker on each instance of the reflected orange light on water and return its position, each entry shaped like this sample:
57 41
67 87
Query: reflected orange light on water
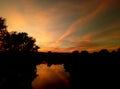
53 77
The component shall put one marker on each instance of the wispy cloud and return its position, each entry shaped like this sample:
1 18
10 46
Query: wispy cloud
92 35
93 40
82 21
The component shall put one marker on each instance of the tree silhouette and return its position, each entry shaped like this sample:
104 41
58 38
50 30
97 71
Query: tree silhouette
13 41
17 53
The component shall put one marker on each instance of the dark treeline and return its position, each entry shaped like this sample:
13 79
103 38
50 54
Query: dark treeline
93 70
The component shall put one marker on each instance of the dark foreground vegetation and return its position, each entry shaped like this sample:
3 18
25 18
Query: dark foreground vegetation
96 70
87 70
19 57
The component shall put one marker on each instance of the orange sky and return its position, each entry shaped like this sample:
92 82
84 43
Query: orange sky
66 25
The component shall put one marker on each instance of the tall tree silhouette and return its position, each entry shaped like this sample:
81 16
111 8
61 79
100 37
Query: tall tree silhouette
17 53
13 41
3 34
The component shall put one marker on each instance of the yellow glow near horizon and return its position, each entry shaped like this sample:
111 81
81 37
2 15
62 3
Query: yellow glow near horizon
65 26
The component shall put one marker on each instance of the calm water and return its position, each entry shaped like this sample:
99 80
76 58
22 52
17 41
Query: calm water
53 77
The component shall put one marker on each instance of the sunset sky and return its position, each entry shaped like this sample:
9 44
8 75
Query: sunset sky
66 25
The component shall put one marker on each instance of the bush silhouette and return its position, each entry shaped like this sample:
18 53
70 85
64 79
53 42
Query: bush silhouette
13 41
17 65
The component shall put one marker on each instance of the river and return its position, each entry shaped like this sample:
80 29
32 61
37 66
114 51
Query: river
53 77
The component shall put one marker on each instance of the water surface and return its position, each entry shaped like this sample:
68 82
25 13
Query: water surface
53 77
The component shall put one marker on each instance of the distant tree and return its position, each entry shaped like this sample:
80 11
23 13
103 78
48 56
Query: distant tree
104 51
75 51
84 52
118 50
13 41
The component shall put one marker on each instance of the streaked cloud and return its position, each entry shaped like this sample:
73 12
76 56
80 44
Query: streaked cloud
82 21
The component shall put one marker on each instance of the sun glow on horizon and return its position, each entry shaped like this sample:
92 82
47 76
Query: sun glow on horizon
65 26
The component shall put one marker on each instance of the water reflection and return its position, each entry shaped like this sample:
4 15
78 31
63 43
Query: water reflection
53 77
